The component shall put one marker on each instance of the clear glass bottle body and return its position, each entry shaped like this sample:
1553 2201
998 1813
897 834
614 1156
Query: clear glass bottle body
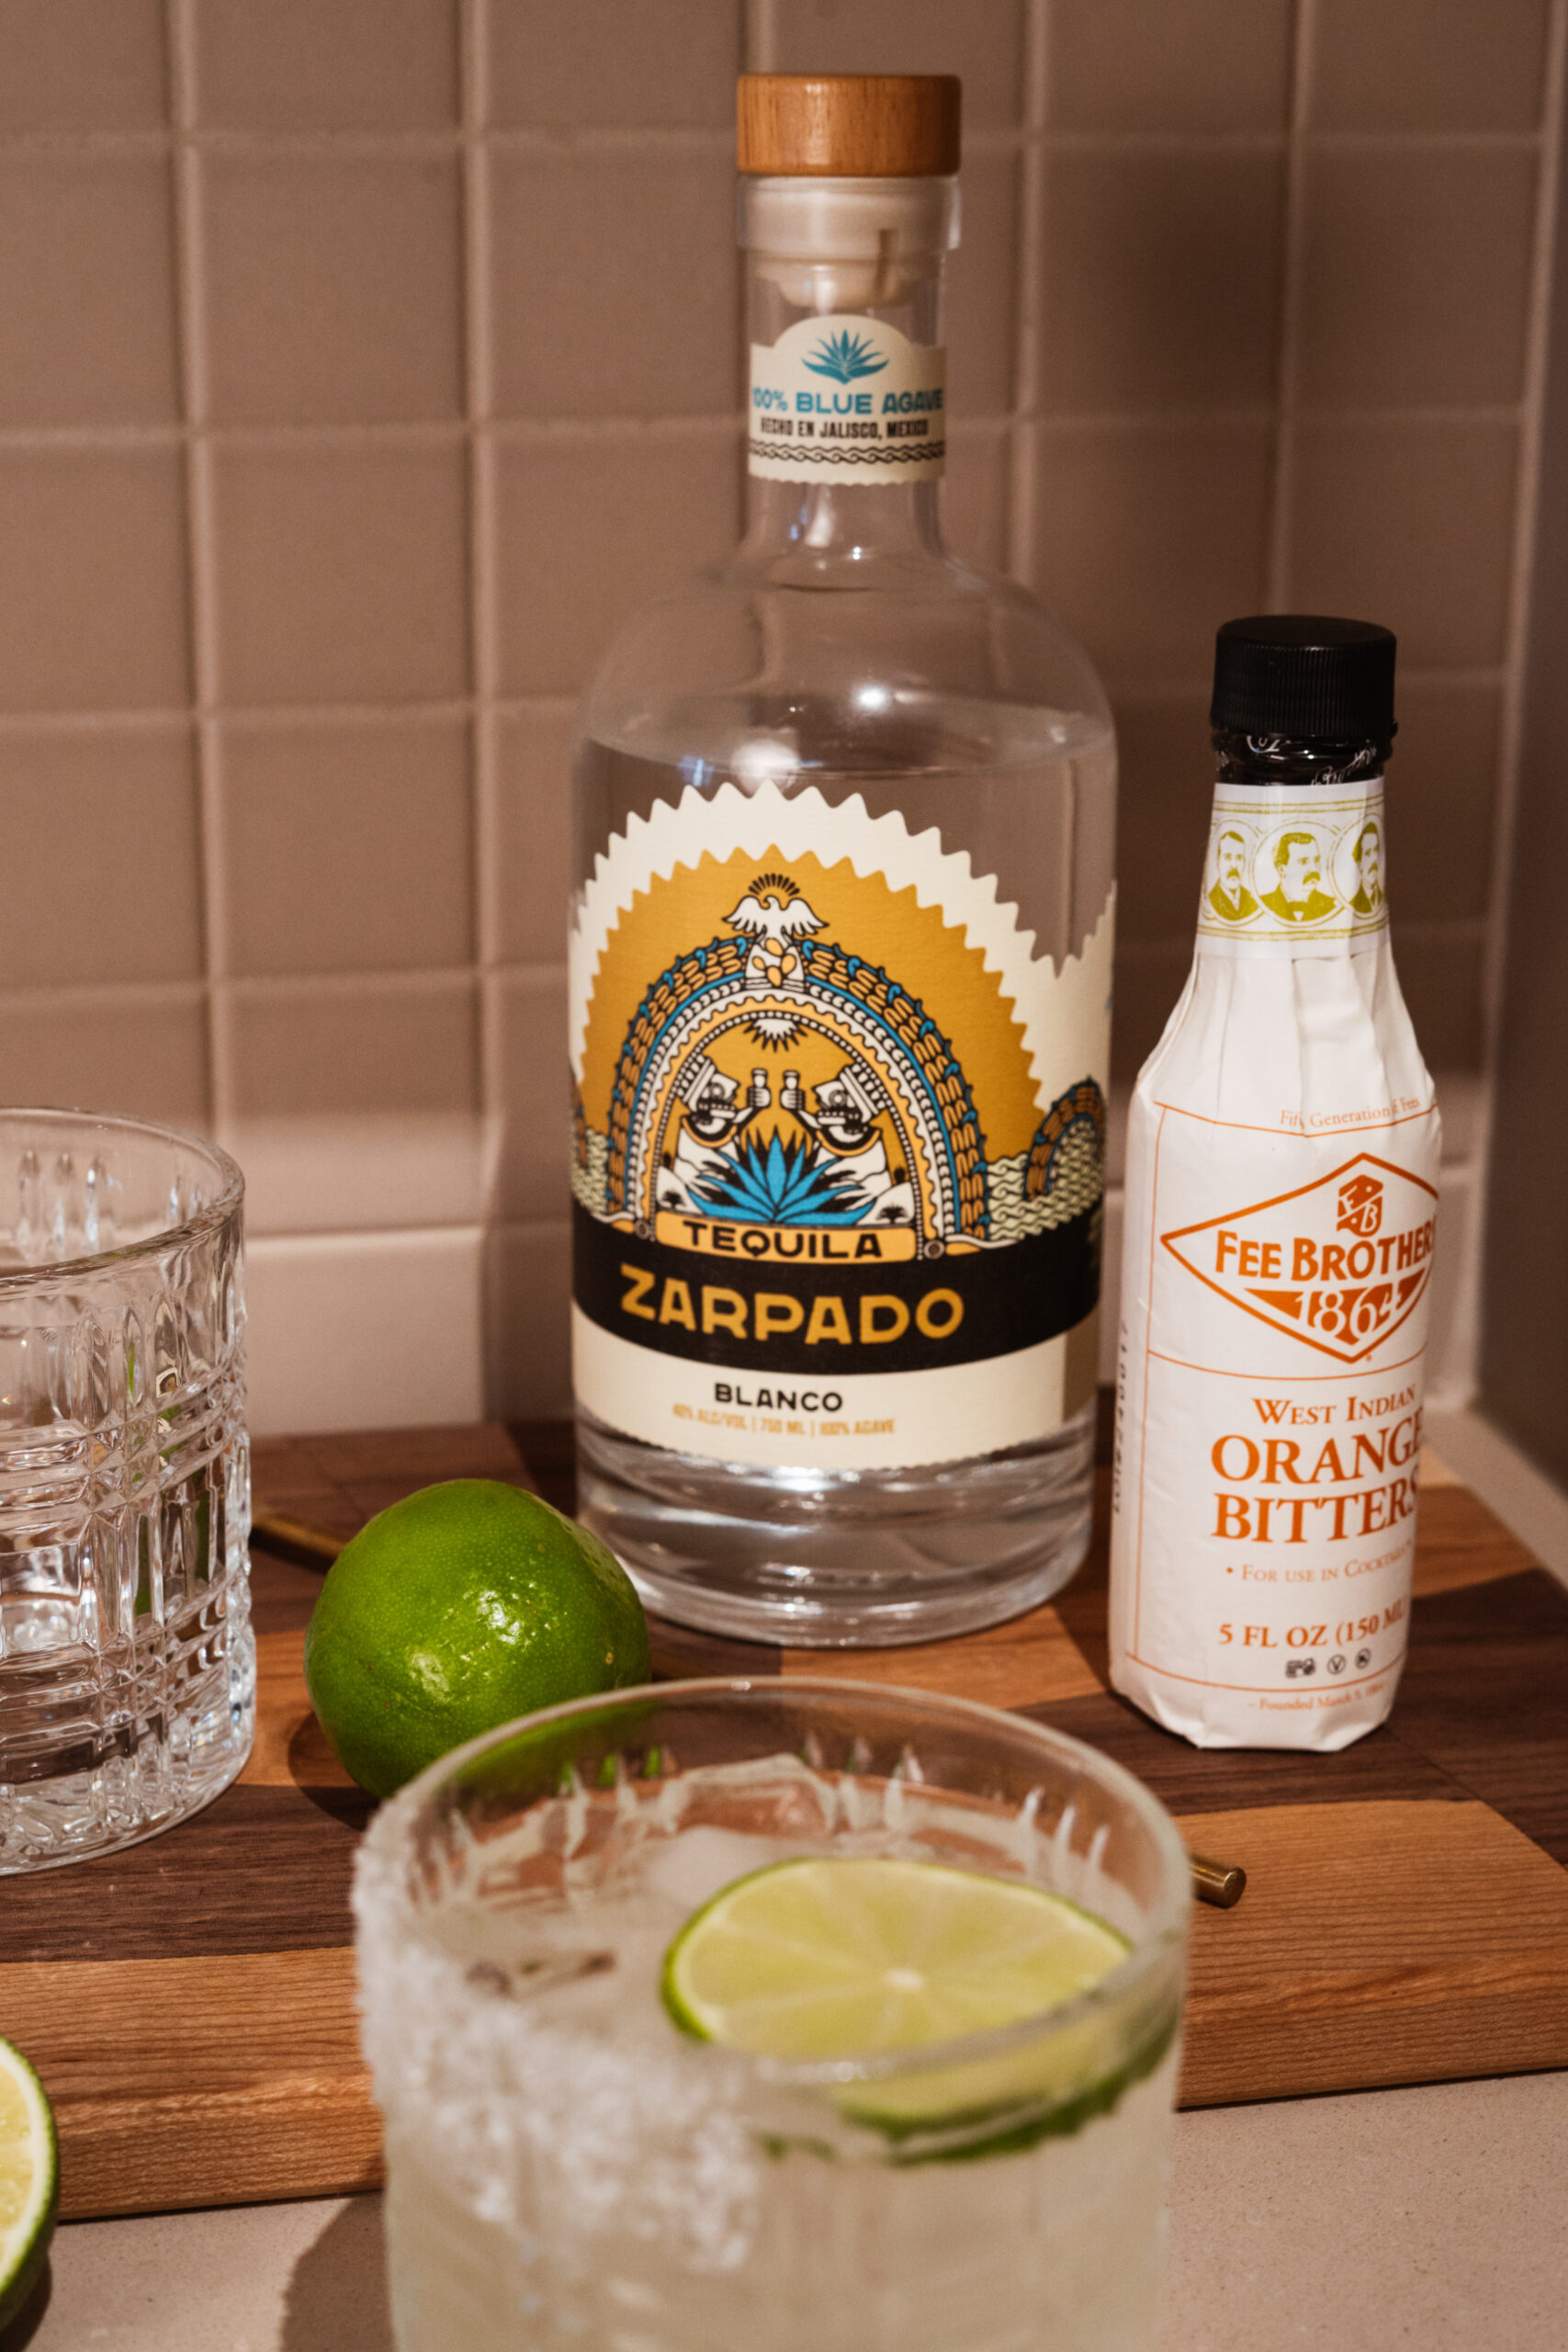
843 650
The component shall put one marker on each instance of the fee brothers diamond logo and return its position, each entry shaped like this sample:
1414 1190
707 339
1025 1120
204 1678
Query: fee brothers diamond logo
1339 1264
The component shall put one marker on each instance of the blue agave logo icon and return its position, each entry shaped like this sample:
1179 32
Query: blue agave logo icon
844 356
781 1183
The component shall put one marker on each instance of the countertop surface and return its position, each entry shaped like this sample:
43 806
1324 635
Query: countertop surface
1435 2217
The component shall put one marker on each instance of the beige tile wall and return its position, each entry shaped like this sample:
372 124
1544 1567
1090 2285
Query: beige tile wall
362 361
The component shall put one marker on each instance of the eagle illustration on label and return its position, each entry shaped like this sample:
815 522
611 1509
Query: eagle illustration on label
838 1142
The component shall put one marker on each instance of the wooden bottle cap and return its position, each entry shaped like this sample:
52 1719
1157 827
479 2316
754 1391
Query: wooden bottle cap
849 126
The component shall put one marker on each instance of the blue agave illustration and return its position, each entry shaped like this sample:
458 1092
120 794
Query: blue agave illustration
844 356
782 1183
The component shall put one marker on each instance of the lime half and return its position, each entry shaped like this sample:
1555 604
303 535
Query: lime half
30 2180
456 1610
843 1956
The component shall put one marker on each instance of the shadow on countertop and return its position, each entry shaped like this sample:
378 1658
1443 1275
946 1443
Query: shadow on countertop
337 2292
29 2319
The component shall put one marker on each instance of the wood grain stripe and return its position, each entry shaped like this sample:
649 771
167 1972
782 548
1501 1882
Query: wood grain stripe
1025 1663
263 1871
1376 1943
198 2080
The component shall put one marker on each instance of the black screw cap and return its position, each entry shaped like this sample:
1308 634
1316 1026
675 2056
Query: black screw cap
1303 674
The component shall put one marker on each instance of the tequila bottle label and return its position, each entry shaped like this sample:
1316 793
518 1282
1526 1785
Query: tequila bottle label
839 1141
847 399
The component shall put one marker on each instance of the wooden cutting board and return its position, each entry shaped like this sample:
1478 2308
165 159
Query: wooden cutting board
190 2003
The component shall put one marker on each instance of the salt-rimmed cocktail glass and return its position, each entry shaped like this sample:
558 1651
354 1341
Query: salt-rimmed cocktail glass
567 2167
126 1660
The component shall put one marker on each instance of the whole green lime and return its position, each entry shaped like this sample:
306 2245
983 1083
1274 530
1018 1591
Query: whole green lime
467 1605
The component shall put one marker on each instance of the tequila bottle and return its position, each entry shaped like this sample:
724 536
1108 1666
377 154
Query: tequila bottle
840 971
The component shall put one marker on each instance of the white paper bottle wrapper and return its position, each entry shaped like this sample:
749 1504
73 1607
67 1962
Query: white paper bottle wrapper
1282 1160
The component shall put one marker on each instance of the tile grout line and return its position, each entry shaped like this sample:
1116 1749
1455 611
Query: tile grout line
659 138
478 281
1176 419
261 988
412 716
1023 469
90 994
484 626
1385 140
169 716
759 37
1527 492
1276 574
452 432
373 980
172 718
314 434
200 545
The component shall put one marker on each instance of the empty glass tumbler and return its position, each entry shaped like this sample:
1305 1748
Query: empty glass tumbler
126 1661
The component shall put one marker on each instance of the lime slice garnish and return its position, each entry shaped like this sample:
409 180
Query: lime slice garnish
30 2180
839 1956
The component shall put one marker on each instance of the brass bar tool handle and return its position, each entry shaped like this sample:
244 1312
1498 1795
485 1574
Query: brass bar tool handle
1219 1882
270 1529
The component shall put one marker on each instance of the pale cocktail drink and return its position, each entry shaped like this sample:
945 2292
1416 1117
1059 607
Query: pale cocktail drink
566 2165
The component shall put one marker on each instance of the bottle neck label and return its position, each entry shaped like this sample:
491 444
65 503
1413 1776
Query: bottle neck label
1295 871
847 399
840 1141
